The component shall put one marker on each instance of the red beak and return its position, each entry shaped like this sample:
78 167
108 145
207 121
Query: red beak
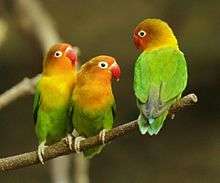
71 54
116 71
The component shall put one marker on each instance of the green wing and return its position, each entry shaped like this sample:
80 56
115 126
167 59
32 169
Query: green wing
114 111
161 71
160 78
70 126
36 103
173 82
142 78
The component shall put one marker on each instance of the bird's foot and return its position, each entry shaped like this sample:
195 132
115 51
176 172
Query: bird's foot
160 110
75 133
77 143
40 151
102 136
172 116
69 140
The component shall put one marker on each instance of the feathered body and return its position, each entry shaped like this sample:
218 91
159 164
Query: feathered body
52 116
93 100
53 94
160 73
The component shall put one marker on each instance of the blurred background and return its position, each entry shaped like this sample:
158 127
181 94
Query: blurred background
187 150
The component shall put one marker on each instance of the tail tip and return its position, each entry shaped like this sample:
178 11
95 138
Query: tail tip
151 120
143 130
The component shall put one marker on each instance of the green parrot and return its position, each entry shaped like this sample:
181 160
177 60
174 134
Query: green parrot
53 94
160 74
93 101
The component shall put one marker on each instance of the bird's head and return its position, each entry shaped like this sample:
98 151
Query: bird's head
153 33
102 67
60 58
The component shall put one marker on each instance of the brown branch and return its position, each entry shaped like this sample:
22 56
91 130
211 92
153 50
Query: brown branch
34 19
25 87
61 148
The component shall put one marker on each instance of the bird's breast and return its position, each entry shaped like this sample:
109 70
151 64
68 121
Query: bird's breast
56 92
93 98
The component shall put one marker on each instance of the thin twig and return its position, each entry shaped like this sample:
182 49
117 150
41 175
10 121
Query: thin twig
35 19
25 87
61 148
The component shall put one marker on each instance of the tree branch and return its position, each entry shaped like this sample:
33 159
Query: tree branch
25 87
35 19
61 148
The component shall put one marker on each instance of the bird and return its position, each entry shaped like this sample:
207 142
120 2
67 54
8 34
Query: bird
51 107
160 73
93 103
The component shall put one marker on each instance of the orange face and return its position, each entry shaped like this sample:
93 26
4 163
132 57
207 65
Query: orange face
61 57
142 36
153 33
103 66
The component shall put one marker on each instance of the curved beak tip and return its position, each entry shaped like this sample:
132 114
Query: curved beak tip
72 55
116 72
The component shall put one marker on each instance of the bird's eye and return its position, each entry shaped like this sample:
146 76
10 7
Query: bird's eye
103 65
141 33
58 54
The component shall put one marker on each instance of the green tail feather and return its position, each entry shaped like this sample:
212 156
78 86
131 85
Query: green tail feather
157 124
143 124
152 128
91 152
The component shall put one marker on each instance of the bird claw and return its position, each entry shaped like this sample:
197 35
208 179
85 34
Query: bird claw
40 151
77 143
75 133
69 141
172 116
102 136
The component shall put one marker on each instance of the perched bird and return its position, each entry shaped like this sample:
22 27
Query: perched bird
93 101
160 74
53 96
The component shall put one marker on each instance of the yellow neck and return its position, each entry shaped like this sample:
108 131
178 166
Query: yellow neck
57 70
161 35
56 90
164 40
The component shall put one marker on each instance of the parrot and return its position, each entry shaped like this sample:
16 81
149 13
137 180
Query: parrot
53 96
93 103
160 73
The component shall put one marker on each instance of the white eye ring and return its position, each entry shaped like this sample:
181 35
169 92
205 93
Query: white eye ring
103 65
58 54
142 33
